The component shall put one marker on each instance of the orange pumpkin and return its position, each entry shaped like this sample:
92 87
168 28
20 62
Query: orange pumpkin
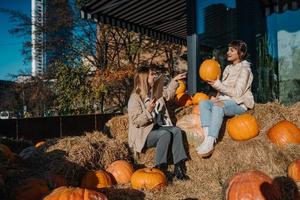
96 179
251 185
284 132
70 193
181 88
209 70
242 127
199 96
148 178
294 170
39 144
32 188
183 99
6 152
121 171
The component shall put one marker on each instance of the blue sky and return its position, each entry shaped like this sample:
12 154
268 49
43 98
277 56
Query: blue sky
11 58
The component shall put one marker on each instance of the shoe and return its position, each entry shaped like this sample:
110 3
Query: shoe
207 146
180 171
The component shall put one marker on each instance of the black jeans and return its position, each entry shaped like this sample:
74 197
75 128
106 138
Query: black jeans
162 138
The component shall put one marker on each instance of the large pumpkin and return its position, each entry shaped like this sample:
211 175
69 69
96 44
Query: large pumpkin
284 132
209 70
96 179
181 88
70 193
148 178
242 127
251 185
183 99
199 96
32 188
294 170
121 171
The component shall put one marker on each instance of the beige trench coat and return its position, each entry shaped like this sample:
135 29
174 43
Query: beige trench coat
141 121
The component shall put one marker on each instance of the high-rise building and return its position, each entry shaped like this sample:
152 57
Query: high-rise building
37 36
51 33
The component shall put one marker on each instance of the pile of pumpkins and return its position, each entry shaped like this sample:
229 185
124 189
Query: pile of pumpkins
209 70
184 99
118 172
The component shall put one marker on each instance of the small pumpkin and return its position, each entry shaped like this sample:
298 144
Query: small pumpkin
39 144
121 171
31 188
72 193
209 70
181 88
96 179
148 179
199 96
251 184
283 133
242 127
294 170
183 99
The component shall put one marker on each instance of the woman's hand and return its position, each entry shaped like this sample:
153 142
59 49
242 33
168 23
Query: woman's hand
180 76
212 82
151 105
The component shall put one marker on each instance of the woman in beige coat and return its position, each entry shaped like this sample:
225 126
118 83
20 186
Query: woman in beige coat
150 124
234 97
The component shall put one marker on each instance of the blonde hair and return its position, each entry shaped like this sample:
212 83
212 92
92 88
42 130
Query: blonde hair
141 86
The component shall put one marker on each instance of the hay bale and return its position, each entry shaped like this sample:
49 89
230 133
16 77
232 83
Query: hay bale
117 128
73 156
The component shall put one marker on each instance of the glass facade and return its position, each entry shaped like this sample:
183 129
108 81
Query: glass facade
273 43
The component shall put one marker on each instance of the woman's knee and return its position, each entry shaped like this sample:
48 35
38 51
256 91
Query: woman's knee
204 104
165 135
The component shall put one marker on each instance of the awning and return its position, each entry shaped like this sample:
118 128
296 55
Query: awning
279 6
161 19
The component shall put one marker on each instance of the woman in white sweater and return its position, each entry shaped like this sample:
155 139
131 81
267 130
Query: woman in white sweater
234 96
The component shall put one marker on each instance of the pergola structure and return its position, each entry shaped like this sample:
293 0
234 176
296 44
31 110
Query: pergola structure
169 20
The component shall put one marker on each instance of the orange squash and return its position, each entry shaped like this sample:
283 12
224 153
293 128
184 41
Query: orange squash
251 185
31 188
199 96
294 170
121 171
183 99
148 178
181 88
71 193
242 127
283 133
209 70
96 179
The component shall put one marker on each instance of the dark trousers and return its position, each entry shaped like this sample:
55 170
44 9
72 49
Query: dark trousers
163 138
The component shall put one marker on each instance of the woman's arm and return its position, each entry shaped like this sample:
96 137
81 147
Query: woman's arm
169 92
140 117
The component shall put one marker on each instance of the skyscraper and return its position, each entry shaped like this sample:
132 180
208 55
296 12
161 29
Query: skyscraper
51 34
37 37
